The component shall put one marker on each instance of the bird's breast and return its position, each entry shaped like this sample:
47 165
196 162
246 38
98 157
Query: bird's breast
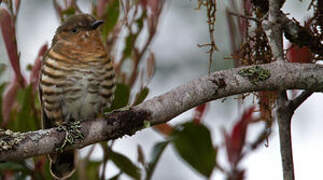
78 91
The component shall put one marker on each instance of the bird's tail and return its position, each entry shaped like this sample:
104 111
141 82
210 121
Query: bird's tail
62 165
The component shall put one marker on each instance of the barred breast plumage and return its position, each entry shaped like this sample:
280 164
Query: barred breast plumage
75 91
77 81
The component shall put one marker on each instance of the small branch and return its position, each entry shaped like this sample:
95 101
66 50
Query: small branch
299 35
295 103
163 108
243 16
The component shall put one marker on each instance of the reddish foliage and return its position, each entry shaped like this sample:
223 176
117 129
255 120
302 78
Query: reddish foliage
40 163
101 7
236 140
155 7
8 101
199 113
298 54
151 65
17 5
9 37
165 129
34 75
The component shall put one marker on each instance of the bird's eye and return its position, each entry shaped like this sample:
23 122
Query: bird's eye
74 30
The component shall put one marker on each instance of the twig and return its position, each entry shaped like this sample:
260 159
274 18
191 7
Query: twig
243 16
295 103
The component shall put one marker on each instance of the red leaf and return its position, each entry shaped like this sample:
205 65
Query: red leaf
17 5
34 75
236 141
155 7
8 101
165 129
199 113
298 54
151 65
9 37
101 7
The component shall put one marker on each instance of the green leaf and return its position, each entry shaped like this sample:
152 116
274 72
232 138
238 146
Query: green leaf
125 164
69 11
130 42
116 177
156 153
15 167
3 67
121 97
23 118
194 144
92 169
2 88
111 17
141 96
140 20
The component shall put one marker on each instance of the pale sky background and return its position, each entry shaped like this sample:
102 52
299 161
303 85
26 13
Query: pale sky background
180 60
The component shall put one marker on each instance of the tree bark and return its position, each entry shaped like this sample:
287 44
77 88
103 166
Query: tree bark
163 108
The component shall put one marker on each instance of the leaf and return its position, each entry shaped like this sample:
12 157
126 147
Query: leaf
194 144
68 12
296 54
92 169
116 177
151 65
236 140
141 156
3 68
111 17
2 87
8 101
125 164
141 96
15 167
156 153
165 129
199 112
9 37
121 96
100 7
34 75
24 119
130 43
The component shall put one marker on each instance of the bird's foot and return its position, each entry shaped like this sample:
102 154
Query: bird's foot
72 133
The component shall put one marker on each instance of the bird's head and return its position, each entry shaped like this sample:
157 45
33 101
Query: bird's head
79 33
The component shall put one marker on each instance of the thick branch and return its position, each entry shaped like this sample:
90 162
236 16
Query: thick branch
284 117
163 108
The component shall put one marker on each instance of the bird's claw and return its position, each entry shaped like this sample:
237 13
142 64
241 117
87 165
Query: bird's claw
72 133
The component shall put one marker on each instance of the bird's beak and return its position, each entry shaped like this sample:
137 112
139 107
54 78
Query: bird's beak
96 24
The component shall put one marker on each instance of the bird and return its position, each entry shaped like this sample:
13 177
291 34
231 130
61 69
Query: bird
77 82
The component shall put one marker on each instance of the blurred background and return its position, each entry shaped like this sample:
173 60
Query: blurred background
178 59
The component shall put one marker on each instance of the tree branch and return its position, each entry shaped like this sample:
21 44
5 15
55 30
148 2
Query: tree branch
284 117
163 108
295 103
273 28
